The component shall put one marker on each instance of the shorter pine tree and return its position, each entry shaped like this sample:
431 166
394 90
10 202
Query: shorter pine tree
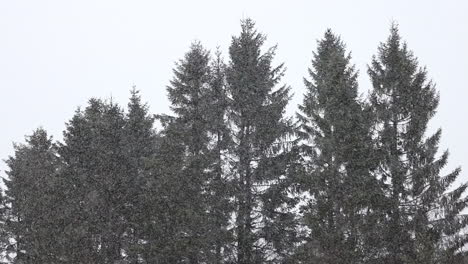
32 221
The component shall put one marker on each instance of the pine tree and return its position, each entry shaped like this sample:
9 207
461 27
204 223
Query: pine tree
259 160
75 152
96 180
139 146
423 221
335 129
30 199
186 94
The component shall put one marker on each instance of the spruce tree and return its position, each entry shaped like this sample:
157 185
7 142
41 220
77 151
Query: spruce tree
96 180
337 147
423 223
186 94
199 124
75 152
31 197
139 147
259 159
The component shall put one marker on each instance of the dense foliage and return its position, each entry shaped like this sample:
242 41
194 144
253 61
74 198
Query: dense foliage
229 178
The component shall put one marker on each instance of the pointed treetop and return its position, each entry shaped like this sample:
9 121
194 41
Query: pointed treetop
248 25
135 98
331 44
38 137
193 64
394 30
249 35
394 44
394 37
330 36
196 52
134 91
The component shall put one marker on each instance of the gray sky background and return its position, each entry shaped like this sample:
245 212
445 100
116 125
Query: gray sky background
55 55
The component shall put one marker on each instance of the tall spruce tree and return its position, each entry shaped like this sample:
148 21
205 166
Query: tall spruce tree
186 94
139 146
31 197
96 182
423 220
259 160
337 147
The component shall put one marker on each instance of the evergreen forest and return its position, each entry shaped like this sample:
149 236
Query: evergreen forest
227 177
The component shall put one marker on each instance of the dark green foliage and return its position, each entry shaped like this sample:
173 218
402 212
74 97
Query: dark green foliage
230 179
423 222
191 77
196 137
139 146
165 204
97 181
259 158
337 147
32 220
219 206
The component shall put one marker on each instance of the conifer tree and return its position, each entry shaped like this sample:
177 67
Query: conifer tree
31 198
423 220
139 146
186 94
75 152
259 160
96 180
334 126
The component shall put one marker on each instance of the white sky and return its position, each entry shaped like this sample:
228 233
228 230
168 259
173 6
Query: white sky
55 55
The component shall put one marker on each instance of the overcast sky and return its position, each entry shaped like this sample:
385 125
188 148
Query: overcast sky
55 55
